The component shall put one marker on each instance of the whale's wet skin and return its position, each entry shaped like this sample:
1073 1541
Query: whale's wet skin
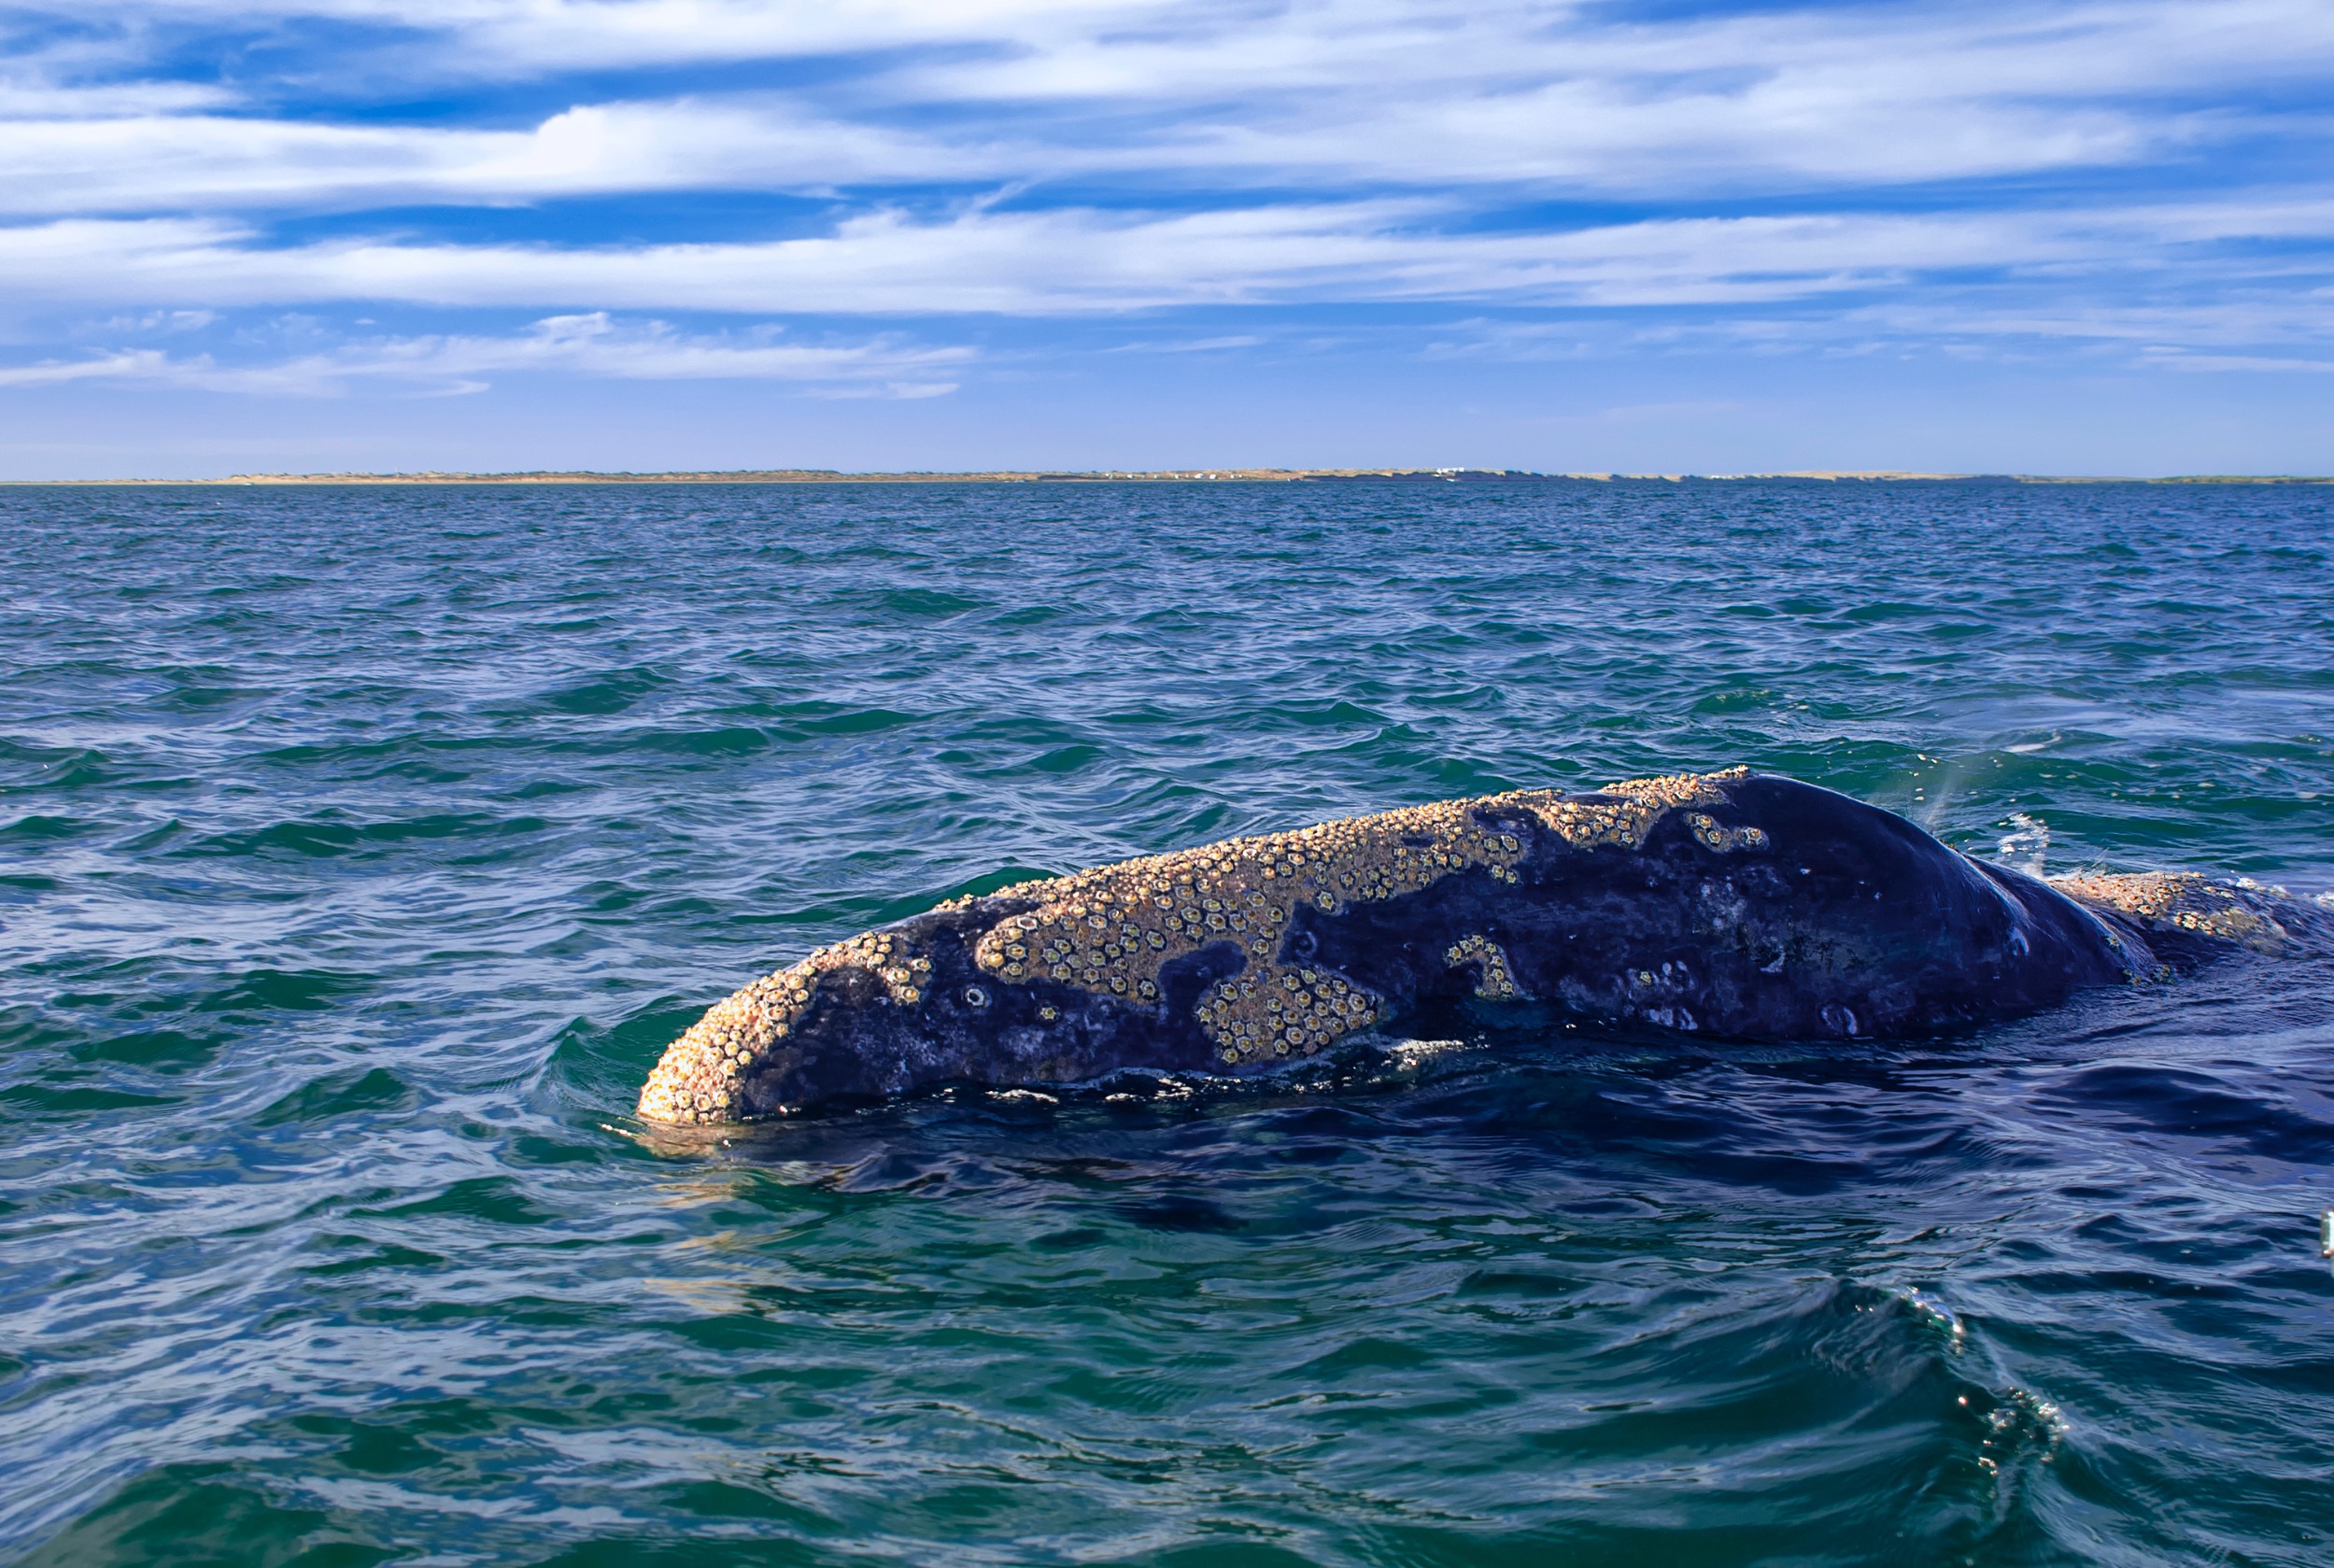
1728 903
361 852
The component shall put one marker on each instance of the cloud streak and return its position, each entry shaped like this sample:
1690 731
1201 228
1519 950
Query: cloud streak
2141 176
1366 95
594 345
1076 261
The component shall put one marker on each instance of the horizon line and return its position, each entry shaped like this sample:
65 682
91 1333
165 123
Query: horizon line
1108 476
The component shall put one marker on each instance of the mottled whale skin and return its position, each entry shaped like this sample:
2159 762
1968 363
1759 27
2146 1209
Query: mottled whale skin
1732 904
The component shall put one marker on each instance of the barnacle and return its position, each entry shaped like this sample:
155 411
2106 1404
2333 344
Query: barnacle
2184 901
699 1075
1495 977
1178 903
1111 930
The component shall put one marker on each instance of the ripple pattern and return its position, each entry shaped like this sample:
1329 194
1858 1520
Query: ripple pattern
360 849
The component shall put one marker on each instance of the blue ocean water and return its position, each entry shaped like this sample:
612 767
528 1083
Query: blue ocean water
361 849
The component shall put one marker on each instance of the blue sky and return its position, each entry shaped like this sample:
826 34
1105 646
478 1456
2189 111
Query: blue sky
374 234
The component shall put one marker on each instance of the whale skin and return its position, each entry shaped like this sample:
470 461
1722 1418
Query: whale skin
1735 904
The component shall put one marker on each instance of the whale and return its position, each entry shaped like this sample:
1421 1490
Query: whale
1733 904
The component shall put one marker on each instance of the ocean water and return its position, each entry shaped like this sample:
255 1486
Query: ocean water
361 849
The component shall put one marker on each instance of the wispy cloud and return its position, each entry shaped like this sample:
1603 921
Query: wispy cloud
1188 345
192 162
1364 93
591 345
2137 178
1070 260
2179 358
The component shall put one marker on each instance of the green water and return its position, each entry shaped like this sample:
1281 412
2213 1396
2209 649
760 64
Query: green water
361 849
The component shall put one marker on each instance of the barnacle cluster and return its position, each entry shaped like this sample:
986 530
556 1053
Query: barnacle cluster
1633 807
1110 931
696 1079
1494 981
1289 1011
1113 928
2186 902
1725 840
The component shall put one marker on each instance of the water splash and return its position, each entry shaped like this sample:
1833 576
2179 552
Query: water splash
2026 845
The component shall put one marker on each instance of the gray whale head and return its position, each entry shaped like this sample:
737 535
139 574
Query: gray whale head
1731 904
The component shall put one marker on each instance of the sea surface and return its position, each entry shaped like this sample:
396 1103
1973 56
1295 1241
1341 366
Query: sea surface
362 848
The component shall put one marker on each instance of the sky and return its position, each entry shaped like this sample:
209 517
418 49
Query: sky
376 236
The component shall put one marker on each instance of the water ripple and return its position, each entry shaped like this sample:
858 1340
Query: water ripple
360 849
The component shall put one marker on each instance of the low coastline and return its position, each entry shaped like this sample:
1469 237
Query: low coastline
1164 477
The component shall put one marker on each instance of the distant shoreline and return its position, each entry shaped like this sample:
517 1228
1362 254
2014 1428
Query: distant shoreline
1162 476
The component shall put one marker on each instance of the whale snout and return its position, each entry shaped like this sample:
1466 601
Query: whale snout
873 1016
803 1033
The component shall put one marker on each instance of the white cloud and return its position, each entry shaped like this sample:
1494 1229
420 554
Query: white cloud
1192 49
521 37
1076 261
1420 132
192 162
1366 93
28 96
127 364
1189 345
592 345
2178 359
1575 135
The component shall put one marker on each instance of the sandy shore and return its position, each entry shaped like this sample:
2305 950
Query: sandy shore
1246 475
